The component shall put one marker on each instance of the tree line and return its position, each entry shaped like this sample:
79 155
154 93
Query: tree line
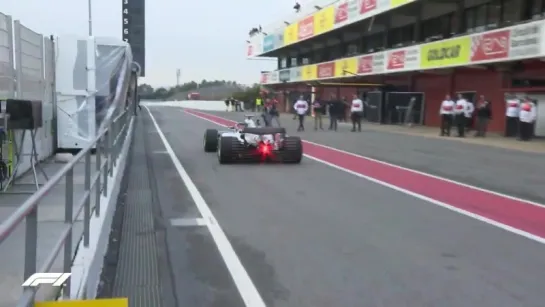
209 90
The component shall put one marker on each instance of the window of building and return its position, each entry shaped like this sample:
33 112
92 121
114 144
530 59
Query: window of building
538 8
305 61
293 62
283 63
352 49
480 17
470 16
511 12
433 28
494 14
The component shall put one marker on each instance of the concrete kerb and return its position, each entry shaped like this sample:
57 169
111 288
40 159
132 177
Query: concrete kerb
88 261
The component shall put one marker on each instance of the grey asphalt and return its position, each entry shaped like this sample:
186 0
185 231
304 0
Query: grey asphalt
512 172
312 236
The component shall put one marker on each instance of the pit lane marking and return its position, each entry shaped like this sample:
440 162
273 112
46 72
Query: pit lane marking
242 280
187 222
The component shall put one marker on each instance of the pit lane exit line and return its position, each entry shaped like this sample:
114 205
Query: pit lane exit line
518 216
241 279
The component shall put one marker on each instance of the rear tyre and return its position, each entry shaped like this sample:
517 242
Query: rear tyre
226 149
293 150
210 140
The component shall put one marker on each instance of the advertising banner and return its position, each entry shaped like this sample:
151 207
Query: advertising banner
490 46
346 67
353 10
264 77
324 20
325 70
309 72
447 53
526 40
296 74
365 64
403 59
396 3
273 77
268 43
284 75
290 34
306 28
279 39
341 13
379 65
367 6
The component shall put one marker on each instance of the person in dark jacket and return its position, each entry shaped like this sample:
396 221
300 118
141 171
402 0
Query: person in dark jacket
318 107
484 115
333 106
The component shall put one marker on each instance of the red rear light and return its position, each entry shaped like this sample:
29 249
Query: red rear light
264 149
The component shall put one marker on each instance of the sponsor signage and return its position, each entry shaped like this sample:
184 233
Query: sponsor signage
324 20
268 43
264 78
296 74
306 28
365 64
353 10
341 13
326 70
290 34
525 40
447 53
403 59
367 6
346 67
309 72
514 43
273 77
284 75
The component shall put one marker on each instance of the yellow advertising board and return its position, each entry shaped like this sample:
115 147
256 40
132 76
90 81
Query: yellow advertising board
309 72
396 3
290 34
324 20
452 52
346 67
109 302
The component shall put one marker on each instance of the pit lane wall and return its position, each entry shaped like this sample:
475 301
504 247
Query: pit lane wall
524 41
205 105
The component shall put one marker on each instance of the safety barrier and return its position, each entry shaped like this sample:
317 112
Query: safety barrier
108 145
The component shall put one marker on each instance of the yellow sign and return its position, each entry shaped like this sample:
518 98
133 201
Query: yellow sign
396 3
346 67
324 20
446 53
109 302
290 34
309 72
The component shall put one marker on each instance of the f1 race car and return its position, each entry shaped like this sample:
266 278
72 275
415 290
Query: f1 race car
249 142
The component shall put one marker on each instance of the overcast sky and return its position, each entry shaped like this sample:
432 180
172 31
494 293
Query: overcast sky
205 39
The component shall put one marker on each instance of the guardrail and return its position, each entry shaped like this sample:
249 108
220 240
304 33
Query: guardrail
108 144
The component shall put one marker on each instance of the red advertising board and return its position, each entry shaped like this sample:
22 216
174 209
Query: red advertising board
341 13
396 59
250 50
326 70
490 46
264 78
365 64
306 28
367 6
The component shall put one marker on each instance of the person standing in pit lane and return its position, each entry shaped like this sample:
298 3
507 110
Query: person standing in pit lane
460 110
333 111
527 116
512 116
318 108
356 113
301 109
446 112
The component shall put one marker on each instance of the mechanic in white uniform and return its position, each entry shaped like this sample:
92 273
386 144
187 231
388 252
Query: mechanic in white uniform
356 112
527 116
446 111
512 106
460 110
301 109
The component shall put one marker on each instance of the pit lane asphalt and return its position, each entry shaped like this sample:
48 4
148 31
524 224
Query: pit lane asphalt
511 172
310 235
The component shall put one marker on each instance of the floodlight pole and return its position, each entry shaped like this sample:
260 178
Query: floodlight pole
89 8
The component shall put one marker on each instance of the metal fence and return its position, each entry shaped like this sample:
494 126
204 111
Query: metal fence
27 71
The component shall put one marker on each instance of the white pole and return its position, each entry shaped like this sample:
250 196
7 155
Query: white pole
89 8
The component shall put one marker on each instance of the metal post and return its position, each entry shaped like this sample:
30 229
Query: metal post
110 138
87 203
31 242
90 8
68 219
98 187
